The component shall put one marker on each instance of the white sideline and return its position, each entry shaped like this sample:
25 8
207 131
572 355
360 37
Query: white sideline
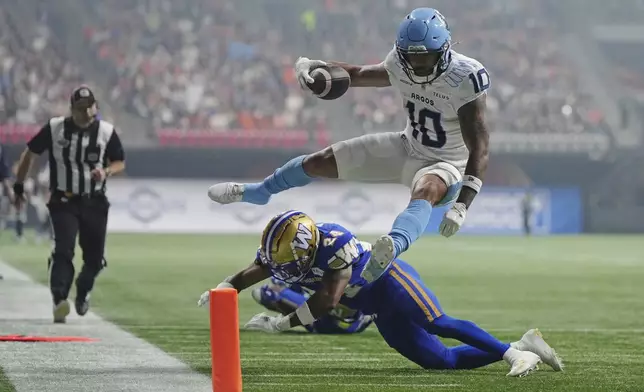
119 361
348 384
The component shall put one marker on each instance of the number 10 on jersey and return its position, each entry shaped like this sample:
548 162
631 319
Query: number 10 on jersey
421 130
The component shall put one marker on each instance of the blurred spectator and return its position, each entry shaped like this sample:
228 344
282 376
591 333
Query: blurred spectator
197 67
208 66
534 90
222 65
35 77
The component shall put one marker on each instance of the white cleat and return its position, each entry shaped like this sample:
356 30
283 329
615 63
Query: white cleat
522 363
226 192
533 341
382 254
61 311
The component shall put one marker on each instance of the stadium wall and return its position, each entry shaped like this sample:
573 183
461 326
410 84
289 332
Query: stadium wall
182 206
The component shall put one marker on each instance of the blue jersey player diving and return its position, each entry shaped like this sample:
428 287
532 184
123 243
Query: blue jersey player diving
441 155
328 259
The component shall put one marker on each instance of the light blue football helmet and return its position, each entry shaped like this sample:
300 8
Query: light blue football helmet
423 45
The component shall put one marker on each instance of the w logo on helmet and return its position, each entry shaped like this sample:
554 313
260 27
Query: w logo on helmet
303 237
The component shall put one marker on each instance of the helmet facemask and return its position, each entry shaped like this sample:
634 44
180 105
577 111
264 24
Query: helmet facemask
423 66
290 272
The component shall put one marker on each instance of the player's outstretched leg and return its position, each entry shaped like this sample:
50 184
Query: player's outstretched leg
295 173
426 350
411 298
290 175
521 362
429 190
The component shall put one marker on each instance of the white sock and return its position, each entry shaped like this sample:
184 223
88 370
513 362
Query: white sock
516 345
510 354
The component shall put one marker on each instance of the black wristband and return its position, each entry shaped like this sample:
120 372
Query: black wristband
18 189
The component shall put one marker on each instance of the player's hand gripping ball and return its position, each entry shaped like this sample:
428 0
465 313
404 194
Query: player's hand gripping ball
324 80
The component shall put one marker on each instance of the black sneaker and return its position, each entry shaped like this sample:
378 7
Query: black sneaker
82 305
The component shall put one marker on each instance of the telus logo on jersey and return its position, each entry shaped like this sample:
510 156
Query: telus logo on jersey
441 95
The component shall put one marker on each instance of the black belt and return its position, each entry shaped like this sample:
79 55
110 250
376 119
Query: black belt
71 195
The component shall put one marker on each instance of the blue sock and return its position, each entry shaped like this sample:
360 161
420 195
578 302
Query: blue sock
410 224
291 175
468 333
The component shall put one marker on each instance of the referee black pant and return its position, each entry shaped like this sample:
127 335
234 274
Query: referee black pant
86 217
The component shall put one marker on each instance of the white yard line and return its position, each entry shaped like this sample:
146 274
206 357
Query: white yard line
302 336
338 376
309 359
251 385
118 361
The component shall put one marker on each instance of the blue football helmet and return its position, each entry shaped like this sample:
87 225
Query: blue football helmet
423 45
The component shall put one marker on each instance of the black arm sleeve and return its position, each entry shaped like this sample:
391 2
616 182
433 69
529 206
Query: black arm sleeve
114 149
41 141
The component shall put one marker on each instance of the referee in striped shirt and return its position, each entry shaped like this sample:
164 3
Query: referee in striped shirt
83 152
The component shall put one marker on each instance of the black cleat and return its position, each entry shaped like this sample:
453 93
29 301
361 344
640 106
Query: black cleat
82 305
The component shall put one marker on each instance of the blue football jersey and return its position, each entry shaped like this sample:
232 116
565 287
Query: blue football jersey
338 249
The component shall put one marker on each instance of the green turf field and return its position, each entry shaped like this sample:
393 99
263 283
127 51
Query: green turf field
5 386
584 293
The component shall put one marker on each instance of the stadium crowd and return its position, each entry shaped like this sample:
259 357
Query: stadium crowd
198 67
534 89
35 79
208 66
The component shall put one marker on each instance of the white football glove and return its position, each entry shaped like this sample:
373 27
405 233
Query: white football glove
204 299
453 220
263 322
303 67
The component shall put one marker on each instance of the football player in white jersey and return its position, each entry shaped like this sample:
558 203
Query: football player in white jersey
441 156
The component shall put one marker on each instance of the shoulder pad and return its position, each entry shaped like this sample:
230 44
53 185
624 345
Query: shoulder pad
392 63
346 254
468 77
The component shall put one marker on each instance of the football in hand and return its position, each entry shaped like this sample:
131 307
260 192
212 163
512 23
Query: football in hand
330 82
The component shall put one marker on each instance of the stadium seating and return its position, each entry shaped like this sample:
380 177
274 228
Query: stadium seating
205 73
534 89
36 79
197 68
